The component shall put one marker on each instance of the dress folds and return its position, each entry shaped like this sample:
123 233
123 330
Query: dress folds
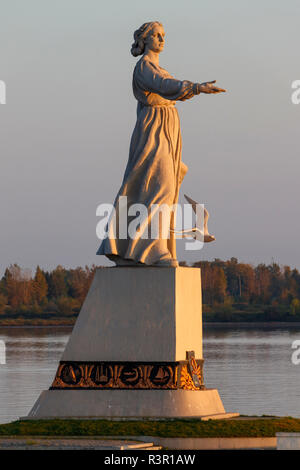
154 170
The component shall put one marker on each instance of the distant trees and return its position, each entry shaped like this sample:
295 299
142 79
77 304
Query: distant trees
39 286
57 285
225 284
61 290
16 286
3 303
214 282
244 283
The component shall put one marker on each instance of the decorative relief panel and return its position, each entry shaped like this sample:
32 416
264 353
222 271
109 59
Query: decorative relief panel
129 375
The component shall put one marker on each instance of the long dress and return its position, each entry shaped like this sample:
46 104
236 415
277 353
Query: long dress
154 170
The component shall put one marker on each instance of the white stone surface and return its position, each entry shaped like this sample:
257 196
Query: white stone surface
135 314
154 170
139 314
288 440
127 403
212 443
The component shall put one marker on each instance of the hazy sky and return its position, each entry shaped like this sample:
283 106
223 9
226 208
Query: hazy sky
70 112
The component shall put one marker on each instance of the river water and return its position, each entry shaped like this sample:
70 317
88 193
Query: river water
251 367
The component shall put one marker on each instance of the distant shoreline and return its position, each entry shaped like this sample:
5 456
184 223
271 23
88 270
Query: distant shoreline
233 293
206 324
31 320
264 324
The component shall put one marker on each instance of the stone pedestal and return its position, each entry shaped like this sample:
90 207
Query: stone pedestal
135 350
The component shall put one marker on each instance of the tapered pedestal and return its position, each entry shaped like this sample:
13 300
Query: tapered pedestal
135 350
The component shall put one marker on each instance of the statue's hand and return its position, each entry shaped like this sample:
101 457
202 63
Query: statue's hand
210 87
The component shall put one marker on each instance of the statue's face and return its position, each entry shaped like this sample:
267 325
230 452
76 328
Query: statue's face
156 39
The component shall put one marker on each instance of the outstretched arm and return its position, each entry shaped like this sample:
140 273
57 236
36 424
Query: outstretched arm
151 79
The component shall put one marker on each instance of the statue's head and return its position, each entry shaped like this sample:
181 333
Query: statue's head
149 35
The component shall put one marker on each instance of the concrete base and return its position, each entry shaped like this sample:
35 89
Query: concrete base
288 440
128 403
211 443
134 315
139 314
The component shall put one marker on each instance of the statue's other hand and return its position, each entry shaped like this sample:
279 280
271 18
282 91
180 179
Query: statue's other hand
210 87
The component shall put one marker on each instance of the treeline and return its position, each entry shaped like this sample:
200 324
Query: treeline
265 292
61 291
229 289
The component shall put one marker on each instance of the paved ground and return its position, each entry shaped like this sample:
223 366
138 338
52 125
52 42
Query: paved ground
32 443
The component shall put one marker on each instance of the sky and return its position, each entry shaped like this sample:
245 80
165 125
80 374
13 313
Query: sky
69 114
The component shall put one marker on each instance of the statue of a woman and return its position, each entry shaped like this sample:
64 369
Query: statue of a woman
154 170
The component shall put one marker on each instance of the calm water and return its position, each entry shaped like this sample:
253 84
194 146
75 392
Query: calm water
251 367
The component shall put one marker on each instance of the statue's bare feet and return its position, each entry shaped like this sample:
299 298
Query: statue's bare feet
122 261
167 263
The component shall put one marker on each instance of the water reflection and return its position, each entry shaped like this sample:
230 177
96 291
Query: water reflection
32 355
251 368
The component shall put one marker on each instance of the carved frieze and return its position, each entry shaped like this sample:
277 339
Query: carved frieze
129 375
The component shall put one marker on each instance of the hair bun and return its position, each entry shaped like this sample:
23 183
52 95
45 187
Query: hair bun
140 35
